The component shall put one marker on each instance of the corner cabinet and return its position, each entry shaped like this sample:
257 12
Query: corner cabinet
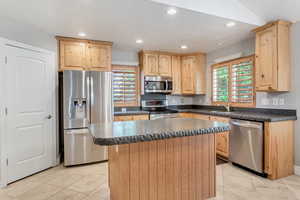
272 57
193 74
79 54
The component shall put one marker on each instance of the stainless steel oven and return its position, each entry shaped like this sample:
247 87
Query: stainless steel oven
157 84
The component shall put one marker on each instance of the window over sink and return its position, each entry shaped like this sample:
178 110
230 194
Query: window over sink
233 82
125 85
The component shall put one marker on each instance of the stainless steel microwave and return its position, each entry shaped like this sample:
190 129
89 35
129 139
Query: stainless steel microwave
157 84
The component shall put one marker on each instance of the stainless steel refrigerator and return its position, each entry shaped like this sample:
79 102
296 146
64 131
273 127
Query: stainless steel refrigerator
86 98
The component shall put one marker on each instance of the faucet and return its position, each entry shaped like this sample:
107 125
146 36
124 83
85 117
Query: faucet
227 107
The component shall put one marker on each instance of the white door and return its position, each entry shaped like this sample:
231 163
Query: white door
29 106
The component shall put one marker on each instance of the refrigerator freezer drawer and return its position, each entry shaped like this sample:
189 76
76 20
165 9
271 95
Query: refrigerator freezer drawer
79 148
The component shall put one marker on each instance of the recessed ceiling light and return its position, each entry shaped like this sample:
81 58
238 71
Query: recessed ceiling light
81 34
220 43
230 24
183 47
171 11
139 41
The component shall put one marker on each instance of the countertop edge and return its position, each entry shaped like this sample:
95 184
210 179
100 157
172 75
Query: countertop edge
160 136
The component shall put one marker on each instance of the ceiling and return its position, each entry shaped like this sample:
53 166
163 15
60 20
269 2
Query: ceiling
124 21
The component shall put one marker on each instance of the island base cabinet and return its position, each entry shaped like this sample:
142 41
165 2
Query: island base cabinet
177 169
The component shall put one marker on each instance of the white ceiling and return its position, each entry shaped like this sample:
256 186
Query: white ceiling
201 28
270 10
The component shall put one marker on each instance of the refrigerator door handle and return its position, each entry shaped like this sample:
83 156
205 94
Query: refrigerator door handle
89 86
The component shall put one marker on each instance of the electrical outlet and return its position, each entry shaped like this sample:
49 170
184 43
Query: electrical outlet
182 100
124 109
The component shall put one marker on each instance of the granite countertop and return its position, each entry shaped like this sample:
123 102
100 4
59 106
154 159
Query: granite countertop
131 112
147 130
244 115
252 114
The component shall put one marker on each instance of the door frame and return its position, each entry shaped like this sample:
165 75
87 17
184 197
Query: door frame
3 101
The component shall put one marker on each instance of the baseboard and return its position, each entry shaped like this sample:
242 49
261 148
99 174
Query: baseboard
297 170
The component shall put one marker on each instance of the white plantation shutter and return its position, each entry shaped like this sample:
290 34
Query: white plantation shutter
242 82
125 85
233 82
221 84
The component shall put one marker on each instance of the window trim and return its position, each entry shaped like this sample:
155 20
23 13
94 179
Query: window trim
230 63
137 82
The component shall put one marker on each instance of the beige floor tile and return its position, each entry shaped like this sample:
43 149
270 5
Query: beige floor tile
64 180
101 194
89 183
20 187
41 192
67 194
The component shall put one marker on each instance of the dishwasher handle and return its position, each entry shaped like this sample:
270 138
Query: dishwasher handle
246 125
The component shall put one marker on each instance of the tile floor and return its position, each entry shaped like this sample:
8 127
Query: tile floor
89 182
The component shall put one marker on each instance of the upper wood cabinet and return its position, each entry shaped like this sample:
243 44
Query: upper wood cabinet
176 74
272 57
156 63
79 54
193 74
165 65
187 77
99 57
150 64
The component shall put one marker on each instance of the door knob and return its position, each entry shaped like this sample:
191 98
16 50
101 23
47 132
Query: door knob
49 116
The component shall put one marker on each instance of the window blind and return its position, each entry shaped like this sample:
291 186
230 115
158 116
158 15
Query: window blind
242 89
233 82
220 84
125 86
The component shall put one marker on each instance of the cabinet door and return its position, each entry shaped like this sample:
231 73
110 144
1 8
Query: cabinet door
165 65
141 117
72 55
200 116
187 77
150 64
222 144
176 74
199 69
123 118
99 57
266 59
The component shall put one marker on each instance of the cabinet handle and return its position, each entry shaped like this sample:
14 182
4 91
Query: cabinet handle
263 76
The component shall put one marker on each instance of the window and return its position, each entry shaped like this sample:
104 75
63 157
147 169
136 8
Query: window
233 82
125 85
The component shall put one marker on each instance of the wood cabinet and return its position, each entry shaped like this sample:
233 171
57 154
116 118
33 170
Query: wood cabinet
165 65
272 57
193 74
156 63
279 149
131 117
150 64
187 77
187 70
79 54
176 74
222 139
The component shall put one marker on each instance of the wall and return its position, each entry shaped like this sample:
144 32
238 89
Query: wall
288 100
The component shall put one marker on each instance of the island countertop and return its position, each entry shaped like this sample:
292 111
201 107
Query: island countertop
115 133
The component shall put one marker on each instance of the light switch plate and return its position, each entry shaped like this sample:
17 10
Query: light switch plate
275 101
281 102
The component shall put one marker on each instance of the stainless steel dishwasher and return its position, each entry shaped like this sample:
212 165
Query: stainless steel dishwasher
246 144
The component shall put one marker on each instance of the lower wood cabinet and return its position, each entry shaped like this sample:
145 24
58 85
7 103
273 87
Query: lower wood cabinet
131 117
279 149
222 139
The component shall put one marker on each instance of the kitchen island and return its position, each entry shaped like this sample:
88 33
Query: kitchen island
160 159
